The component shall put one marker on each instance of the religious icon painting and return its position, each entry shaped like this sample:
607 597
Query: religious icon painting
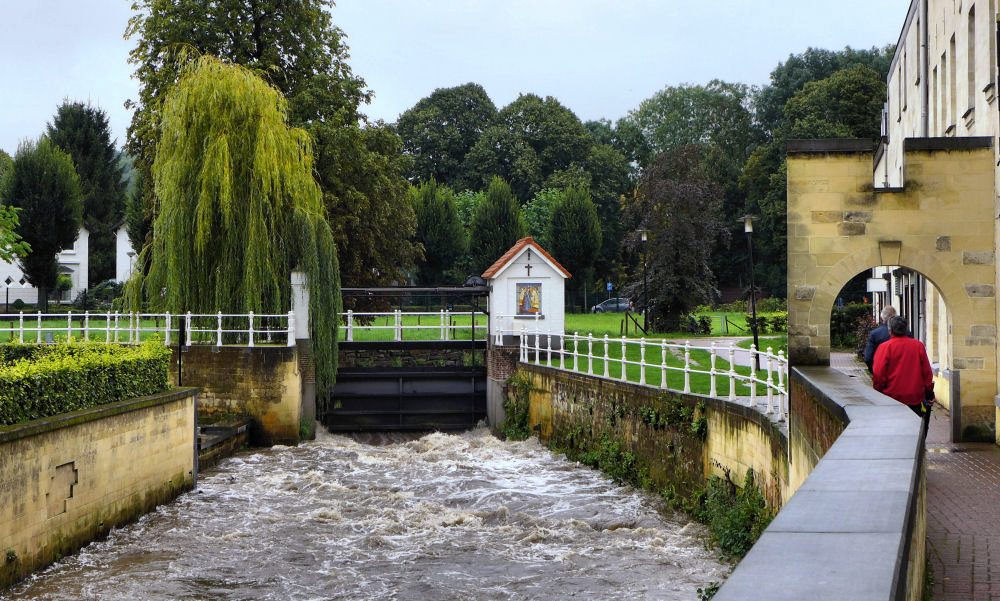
529 299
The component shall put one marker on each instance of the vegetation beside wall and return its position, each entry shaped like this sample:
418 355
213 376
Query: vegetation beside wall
41 381
656 443
515 407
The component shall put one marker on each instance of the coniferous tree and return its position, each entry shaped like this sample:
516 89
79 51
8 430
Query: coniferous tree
575 236
496 225
82 132
43 184
440 231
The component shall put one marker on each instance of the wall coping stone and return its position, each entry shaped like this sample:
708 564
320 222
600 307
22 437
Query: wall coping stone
965 143
845 533
35 427
845 145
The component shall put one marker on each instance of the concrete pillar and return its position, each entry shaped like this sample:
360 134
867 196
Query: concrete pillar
303 344
300 304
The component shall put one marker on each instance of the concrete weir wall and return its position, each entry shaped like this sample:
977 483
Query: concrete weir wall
265 383
849 479
68 479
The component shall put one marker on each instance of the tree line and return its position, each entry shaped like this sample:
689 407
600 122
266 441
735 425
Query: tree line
683 166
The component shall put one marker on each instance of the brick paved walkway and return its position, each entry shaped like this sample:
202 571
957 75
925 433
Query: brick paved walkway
963 509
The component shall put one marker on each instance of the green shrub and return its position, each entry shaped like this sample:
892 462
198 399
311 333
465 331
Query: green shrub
515 407
844 323
735 516
63 378
18 305
772 305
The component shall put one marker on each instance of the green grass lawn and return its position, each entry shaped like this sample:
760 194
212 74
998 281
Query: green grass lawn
612 324
777 343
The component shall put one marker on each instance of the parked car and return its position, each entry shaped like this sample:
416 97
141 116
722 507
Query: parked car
613 305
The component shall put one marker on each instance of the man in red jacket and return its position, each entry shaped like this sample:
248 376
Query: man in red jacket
902 370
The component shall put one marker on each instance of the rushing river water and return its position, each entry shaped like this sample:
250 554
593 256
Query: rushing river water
440 517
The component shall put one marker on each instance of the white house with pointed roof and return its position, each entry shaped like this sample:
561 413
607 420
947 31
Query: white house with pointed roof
528 293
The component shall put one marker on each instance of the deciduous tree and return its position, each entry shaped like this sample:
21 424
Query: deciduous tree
533 139
43 185
441 129
296 47
682 210
239 208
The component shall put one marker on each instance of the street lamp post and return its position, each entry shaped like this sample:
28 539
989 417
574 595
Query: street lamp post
645 296
748 228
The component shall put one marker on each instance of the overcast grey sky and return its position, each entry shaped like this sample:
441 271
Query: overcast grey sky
598 57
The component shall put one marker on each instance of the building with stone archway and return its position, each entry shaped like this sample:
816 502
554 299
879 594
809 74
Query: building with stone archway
940 223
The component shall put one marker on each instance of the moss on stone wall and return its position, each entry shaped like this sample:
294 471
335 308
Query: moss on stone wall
655 440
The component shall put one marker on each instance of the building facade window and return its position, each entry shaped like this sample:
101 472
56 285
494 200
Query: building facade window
971 57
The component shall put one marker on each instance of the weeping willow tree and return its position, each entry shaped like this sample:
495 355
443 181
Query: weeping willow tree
238 209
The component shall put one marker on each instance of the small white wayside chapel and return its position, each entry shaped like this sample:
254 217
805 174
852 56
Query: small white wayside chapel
528 292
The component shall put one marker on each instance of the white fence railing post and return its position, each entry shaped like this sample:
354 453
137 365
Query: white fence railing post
624 375
250 341
350 325
166 330
576 351
713 388
218 339
86 326
291 329
687 366
753 377
732 371
770 383
187 326
20 328
38 331
548 344
642 360
69 326
783 398
663 364
606 357
590 353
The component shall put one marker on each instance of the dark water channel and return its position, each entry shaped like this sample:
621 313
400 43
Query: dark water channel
440 517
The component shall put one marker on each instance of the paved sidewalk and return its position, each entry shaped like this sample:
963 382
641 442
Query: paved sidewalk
963 508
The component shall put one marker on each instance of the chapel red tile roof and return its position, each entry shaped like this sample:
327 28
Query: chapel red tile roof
514 250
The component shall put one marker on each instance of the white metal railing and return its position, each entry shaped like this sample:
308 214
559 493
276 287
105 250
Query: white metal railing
247 329
413 325
659 358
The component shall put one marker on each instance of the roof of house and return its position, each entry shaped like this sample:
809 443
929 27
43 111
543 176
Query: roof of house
515 251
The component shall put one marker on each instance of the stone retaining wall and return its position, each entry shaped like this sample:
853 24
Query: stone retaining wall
68 479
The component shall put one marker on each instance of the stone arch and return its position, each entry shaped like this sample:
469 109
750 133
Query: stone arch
941 223
913 258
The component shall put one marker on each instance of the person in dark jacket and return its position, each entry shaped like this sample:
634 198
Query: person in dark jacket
878 335
902 369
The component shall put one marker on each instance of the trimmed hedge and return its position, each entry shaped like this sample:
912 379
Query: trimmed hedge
50 380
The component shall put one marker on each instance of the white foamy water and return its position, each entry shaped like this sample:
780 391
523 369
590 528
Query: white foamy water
440 517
